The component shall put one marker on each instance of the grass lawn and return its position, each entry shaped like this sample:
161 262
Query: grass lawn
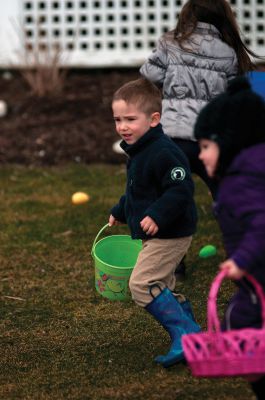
59 338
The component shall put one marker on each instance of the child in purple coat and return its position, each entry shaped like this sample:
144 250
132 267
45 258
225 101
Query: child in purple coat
231 135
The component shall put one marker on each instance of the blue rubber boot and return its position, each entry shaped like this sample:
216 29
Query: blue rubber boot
186 307
185 304
166 309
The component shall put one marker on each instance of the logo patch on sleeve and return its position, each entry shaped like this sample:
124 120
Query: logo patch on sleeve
178 174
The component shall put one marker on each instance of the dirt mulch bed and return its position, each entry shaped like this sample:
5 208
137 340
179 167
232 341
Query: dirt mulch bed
74 126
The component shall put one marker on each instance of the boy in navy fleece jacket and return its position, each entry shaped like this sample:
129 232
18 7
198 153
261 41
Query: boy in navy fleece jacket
158 207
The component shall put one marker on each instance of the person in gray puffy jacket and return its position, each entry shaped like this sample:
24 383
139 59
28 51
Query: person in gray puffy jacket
192 64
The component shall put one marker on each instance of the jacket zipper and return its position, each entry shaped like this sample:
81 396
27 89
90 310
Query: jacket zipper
252 294
229 310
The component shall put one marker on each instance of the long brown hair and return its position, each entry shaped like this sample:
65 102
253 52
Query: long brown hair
220 14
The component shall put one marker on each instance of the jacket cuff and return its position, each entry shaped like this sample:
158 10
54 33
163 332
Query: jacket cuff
242 262
118 214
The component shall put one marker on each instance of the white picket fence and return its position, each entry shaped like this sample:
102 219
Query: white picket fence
102 33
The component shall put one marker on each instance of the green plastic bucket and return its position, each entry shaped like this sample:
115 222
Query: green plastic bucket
114 257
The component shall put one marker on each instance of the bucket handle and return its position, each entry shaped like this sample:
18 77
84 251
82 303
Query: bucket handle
96 238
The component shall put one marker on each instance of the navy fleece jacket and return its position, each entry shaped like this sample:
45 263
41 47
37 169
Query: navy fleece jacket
159 185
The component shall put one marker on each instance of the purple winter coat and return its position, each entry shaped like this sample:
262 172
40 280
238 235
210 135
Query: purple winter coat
240 210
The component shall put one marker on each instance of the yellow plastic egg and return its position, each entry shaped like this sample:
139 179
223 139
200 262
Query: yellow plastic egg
80 198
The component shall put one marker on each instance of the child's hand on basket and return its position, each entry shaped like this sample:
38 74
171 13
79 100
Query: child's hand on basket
149 226
232 269
114 221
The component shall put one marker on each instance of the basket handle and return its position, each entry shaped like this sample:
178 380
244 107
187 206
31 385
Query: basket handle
212 316
96 238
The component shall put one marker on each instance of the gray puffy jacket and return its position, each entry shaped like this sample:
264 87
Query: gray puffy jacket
189 78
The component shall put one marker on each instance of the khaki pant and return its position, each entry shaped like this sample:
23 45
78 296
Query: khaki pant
156 264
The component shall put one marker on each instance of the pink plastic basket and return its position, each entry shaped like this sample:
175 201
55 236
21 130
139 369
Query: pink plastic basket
231 353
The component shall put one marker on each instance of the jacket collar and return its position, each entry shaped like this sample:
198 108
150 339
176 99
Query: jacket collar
204 28
151 135
250 159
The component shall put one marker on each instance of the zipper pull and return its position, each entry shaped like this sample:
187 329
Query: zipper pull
253 298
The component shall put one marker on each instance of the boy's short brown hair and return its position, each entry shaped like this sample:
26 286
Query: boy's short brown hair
141 92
